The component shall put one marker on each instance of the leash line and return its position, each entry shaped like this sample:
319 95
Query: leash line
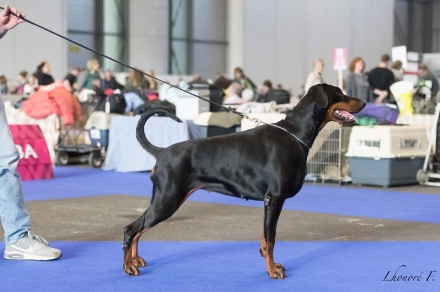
301 141
123 64
255 120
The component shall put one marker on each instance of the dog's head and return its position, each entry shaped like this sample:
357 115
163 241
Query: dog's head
332 105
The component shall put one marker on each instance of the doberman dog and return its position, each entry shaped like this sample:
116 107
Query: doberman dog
265 164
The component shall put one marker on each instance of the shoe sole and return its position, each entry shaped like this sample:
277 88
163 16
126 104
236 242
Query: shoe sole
22 256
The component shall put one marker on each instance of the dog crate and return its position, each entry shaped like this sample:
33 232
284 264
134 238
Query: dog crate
98 127
326 160
387 155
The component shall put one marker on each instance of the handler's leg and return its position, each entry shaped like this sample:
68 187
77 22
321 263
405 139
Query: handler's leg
14 217
21 242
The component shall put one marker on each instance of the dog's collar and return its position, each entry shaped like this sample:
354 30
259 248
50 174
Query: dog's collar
301 141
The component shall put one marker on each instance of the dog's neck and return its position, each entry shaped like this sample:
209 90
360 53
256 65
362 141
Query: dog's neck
305 121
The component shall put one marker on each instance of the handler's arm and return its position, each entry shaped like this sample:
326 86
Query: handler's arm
9 21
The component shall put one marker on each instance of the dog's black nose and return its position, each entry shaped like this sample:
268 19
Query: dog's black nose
363 103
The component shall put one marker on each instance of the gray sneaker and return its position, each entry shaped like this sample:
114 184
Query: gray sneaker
32 247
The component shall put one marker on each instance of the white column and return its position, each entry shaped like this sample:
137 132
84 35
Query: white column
235 32
148 35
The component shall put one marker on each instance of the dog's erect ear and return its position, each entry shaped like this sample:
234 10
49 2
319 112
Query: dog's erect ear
319 95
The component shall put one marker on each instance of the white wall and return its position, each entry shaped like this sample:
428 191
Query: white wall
26 46
235 30
148 35
283 37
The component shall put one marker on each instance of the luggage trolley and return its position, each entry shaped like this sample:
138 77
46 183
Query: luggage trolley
424 176
69 151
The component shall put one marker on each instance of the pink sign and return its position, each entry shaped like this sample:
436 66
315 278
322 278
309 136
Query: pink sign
35 160
340 59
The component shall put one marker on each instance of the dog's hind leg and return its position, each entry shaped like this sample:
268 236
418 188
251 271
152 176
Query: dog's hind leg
137 260
272 212
161 208
132 234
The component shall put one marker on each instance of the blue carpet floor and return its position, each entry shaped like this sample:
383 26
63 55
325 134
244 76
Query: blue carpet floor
71 182
229 266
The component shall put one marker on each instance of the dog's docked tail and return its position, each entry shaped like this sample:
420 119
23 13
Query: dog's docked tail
140 129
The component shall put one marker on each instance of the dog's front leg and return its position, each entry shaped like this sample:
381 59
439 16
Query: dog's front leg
272 210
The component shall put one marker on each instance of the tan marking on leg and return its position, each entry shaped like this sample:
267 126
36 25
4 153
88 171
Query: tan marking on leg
275 271
132 260
129 266
263 246
137 260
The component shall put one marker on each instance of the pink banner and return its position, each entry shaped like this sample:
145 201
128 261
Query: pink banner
35 160
340 59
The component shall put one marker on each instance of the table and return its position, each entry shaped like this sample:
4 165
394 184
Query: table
125 154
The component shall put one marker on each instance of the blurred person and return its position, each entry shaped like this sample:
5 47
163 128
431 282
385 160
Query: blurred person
397 70
427 79
97 88
263 92
136 81
222 81
380 79
247 95
233 94
197 79
3 85
21 242
43 74
243 80
109 81
152 83
356 82
70 81
31 84
315 77
91 74
278 94
267 86
22 79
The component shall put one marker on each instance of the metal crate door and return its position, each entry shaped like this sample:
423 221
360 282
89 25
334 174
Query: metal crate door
326 159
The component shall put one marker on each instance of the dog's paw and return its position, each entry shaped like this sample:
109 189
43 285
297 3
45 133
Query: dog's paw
278 272
139 262
131 269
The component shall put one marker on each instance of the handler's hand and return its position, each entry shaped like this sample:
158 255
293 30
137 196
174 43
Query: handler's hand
9 21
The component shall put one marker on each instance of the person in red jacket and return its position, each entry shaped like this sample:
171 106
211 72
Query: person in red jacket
21 242
53 99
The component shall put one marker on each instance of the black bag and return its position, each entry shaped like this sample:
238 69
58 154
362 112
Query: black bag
153 104
215 94
117 104
280 96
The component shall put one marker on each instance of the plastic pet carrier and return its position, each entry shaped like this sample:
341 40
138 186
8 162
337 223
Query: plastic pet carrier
386 155
98 127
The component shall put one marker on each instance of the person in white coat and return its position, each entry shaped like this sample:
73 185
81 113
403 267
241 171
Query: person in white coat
315 77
